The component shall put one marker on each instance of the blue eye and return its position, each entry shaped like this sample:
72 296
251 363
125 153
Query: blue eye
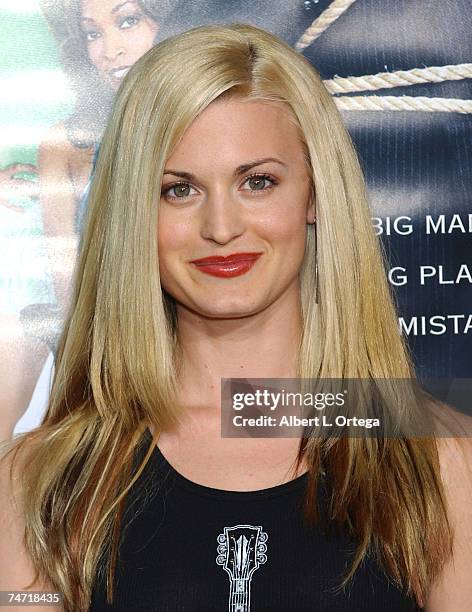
181 191
258 182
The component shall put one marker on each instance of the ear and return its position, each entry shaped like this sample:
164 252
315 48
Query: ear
311 210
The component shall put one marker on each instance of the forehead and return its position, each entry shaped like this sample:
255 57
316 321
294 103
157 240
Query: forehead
105 8
237 129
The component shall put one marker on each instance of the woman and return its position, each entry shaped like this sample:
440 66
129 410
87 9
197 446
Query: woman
98 41
223 141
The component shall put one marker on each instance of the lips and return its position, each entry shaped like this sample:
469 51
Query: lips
119 73
226 267
228 259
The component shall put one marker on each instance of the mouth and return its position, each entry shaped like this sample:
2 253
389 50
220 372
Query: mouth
226 259
227 267
119 73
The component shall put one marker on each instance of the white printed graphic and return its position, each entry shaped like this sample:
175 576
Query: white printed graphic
241 549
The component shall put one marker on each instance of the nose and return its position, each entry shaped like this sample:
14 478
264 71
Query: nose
113 46
222 218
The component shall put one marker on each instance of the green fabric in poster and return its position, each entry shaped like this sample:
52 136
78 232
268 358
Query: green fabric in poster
34 95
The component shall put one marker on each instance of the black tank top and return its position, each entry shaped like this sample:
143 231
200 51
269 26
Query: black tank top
186 547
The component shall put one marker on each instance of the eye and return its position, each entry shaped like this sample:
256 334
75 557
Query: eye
91 35
180 191
130 21
260 182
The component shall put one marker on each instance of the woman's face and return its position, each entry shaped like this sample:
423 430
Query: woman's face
236 183
117 34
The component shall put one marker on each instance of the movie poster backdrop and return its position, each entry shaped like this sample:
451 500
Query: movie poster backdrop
400 72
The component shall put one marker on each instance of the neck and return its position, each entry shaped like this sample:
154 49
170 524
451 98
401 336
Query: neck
261 345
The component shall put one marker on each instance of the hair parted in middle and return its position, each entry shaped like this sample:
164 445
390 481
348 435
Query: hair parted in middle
119 358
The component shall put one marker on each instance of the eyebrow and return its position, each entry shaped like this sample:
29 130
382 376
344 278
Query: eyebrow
115 9
237 172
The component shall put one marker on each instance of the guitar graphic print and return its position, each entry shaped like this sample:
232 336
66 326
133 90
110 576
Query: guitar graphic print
241 549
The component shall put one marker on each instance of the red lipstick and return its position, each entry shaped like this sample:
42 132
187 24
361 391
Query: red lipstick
227 267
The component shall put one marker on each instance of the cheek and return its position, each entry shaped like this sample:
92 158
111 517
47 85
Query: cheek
286 235
143 39
173 238
95 52
286 227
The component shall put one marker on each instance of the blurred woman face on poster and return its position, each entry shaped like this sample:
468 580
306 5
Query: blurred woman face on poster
117 34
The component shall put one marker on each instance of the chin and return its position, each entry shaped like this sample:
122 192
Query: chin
227 311
228 315
219 307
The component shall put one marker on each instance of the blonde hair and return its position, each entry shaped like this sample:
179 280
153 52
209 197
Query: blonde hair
118 361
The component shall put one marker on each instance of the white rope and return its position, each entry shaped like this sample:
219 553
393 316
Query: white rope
403 103
322 22
382 80
399 78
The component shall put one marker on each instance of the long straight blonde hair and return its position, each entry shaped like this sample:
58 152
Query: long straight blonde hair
118 362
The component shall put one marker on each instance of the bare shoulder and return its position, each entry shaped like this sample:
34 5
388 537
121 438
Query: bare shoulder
452 591
16 569
449 422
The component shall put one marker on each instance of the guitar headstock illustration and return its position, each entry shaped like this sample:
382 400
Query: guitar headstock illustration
241 550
